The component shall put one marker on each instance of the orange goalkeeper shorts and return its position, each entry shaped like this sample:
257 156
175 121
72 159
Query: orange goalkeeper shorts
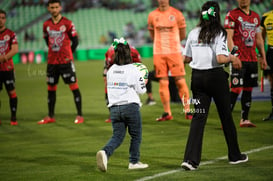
169 65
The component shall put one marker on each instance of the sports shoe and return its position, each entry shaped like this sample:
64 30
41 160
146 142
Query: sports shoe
269 118
47 120
246 123
188 165
13 123
150 102
102 160
137 165
108 120
188 116
165 116
79 120
243 158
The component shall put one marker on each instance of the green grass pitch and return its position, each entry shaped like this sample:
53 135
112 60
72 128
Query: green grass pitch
65 151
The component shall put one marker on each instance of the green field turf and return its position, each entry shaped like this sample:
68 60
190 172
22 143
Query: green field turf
65 151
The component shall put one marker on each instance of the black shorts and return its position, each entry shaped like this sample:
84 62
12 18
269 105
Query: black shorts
67 71
8 79
245 77
269 60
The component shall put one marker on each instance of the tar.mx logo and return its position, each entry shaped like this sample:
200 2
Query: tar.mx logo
190 101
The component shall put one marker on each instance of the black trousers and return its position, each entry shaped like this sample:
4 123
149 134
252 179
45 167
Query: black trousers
205 85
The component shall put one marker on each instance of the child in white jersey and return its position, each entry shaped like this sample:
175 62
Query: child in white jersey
124 83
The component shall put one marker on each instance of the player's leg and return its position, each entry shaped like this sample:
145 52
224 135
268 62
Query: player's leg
177 70
1 83
74 87
165 99
175 98
269 73
151 77
184 94
246 100
71 80
13 101
270 116
161 71
250 81
52 81
234 93
236 85
51 98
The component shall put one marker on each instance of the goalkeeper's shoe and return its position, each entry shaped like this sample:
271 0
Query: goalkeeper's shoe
188 116
79 120
165 117
47 120
269 118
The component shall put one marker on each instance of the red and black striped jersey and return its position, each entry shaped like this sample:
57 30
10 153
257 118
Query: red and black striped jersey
59 40
245 27
7 39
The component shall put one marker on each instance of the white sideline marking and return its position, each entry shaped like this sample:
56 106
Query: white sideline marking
202 163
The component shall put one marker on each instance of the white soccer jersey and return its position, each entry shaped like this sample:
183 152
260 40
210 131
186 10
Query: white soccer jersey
204 55
124 83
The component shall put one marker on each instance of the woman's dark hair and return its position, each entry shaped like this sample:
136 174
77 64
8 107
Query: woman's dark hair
211 24
122 54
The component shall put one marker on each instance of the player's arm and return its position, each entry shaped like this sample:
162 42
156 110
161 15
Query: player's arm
260 47
46 39
230 33
152 34
263 33
187 59
10 54
262 27
75 42
151 26
235 60
182 33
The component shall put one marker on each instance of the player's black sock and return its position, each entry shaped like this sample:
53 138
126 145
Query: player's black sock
13 107
233 99
78 101
51 103
271 94
246 103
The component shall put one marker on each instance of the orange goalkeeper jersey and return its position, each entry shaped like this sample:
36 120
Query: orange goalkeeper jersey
166 25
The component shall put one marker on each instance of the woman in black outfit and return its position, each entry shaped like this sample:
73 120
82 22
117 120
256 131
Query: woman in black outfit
207 52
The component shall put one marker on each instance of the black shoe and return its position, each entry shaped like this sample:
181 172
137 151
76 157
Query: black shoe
150 102
269 118
243 158
188 165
